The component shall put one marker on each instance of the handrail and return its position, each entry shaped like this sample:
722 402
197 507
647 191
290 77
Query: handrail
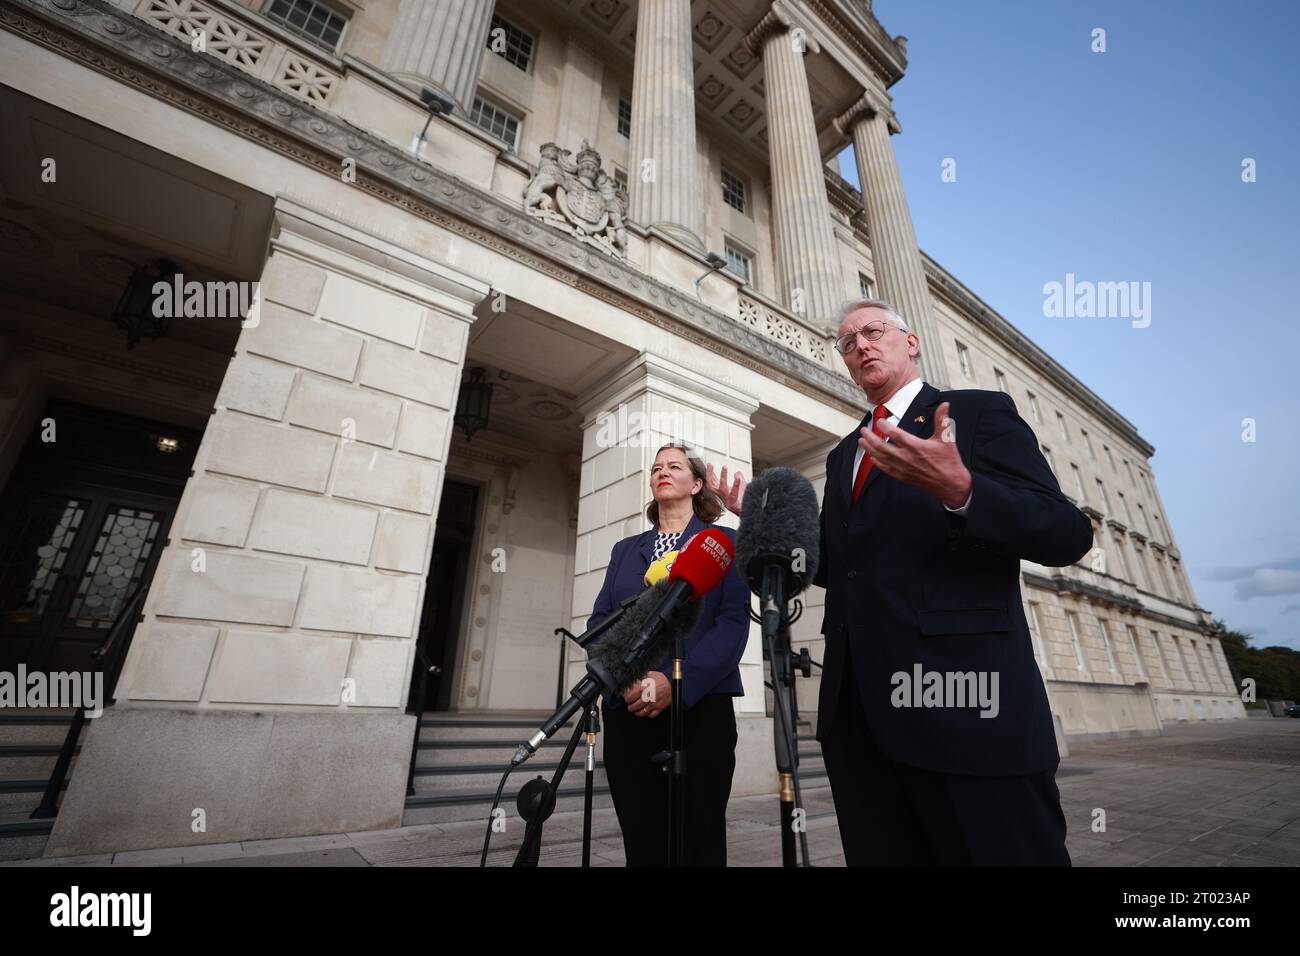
108 659
426 668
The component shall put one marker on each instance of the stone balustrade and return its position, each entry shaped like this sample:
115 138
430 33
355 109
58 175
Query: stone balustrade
784 327
246 43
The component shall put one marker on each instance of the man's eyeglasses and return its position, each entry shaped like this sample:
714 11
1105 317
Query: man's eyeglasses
848 342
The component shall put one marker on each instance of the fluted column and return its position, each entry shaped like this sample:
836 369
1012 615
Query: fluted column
663 174
807 260
900 274
440 43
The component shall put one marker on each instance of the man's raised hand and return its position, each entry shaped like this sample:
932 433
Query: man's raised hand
931 464
733 497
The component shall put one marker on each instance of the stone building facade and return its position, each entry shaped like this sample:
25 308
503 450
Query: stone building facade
549 227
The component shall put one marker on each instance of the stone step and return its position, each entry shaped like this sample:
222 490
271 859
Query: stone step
516 730
469 777
445 753
21 838
474 805
36 732
22 795
31 761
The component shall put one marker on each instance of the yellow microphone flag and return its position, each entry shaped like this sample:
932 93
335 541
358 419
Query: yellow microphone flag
659 570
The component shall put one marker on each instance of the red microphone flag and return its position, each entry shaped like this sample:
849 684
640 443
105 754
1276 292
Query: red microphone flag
704 562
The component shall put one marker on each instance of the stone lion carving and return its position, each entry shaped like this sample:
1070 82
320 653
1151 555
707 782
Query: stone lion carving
578 197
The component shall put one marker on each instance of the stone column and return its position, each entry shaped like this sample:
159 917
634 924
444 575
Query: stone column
276 642
440 43
663 167
900 274
578 105
807 258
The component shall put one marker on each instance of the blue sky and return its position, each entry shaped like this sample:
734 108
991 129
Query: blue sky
1127 166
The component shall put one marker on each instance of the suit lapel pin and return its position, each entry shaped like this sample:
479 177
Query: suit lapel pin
920 419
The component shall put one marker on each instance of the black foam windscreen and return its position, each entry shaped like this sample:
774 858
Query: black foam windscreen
607 658
780 523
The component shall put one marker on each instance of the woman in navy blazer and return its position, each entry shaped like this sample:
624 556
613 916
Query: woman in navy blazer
636 725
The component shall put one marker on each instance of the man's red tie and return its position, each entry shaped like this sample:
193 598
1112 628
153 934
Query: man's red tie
864 469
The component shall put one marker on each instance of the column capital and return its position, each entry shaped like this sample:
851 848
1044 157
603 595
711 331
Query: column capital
775 22
650 372
868 106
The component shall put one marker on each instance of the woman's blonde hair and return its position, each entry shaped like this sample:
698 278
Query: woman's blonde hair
706 504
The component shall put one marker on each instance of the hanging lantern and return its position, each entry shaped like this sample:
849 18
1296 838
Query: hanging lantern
135 313
473 403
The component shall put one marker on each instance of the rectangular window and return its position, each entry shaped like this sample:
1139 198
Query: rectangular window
1137 652
1128 515
1105 640
1033 408
1146 526
864 286
963 359
733 190
1047 453
1146 482
501 123
1036 634
1110 458
1087 443
1119 556
1105 501
1060 426
1159 559
1072 621
1159 528
1182 660
314 22
1001 380
1160 656
625 116
739 264
1078 482
512 44
1180 583
1138 568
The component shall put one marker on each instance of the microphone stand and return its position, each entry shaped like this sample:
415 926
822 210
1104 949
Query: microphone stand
776 620
536 803
593 731
677 759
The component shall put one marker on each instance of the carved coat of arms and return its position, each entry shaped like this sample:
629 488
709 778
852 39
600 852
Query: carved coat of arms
579 198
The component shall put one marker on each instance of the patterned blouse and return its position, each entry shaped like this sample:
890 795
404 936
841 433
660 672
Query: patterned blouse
665 541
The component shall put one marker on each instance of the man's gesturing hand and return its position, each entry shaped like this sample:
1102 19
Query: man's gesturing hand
931 464
732 496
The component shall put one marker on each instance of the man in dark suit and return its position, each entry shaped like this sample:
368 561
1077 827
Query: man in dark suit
933 717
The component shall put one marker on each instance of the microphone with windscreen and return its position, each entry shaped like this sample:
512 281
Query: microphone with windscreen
700 568
779 539
644 634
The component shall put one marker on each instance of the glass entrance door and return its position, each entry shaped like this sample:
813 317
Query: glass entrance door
82 522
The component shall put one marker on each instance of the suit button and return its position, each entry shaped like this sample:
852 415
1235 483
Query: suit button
852 575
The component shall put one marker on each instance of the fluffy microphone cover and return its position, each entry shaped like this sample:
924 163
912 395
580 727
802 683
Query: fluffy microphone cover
779 519
607 658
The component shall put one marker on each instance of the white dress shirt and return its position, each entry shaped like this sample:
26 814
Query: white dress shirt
897 404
